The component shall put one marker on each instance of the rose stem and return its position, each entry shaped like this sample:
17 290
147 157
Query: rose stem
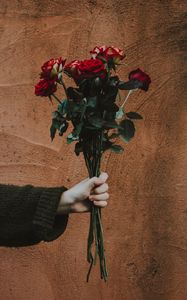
90 242
94 164
102 245
99 224
119 96
90 236
95 219
64 86
95 233
93 229
56 98
104 270
126 98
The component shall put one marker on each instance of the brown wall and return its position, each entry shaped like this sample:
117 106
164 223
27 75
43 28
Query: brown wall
145 223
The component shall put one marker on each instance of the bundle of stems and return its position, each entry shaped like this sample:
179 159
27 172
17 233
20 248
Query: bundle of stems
92 151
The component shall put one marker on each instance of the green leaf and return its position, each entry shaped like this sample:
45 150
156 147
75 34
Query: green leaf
110 94
90 127
56 123
62 108
96 121
82 84
113 81
57 118
106 145
75 107
133 115
78 148
54 114
92 102
112 124
126 130
110 107
52 132
129 85
120 113
63 127
110 115
98 82
117 148
74 93
69 141
71 138
77 129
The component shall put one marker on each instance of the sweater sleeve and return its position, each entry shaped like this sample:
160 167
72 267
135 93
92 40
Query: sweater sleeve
28 215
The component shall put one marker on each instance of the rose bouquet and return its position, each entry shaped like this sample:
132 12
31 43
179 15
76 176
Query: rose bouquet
94 107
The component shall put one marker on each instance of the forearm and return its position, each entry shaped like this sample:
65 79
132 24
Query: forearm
28 215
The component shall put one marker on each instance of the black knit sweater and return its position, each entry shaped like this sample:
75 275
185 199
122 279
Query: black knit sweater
28 215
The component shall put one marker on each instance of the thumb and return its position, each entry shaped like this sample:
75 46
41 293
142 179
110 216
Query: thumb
94 181
103 176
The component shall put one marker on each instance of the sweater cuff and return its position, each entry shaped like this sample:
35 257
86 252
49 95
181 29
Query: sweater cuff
48 226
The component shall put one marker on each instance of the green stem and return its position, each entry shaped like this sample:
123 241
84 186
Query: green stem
89 271
56 98
96 236
126 98
119 96
92 143
64 86
102 244
90 240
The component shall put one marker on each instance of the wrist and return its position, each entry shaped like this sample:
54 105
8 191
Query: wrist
68 204
65 206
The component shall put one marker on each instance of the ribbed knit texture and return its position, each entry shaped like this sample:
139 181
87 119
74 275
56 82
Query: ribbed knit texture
28 215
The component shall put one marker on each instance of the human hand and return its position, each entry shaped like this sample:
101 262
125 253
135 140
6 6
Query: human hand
79 198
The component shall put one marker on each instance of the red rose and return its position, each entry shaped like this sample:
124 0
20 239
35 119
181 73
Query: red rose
52 68
45 87
72 69
142 77
89 68
108 53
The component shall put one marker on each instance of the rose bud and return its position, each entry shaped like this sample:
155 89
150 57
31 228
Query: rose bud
108 54
71 69
98 51
52 69
45 88
142 77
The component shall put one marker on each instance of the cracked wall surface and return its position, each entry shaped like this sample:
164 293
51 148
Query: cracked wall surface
145 221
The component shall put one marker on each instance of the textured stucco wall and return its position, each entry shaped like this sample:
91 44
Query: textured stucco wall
145 223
